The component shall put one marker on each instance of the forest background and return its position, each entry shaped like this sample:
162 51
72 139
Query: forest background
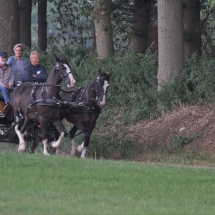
161 53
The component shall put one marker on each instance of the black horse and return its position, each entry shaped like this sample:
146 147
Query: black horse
39 102
92 98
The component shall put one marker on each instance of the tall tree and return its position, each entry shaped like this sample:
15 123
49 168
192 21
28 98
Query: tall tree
42 25
72 23
170 40
25 22
9 25
103 28
192 37
140 29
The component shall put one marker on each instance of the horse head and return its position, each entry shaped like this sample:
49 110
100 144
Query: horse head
65 71
101 87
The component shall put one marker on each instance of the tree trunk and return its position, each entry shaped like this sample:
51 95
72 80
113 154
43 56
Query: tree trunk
170 40
25 22
103 28
9 25
141 19
192 37
42 25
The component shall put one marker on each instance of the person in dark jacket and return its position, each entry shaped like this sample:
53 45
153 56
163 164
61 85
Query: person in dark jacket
34 72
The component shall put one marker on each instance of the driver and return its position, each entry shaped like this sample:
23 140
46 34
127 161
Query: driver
34 72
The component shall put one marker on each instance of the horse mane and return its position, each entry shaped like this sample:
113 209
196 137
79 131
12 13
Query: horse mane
61 60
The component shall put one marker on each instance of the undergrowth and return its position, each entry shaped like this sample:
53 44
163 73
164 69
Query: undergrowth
133 91
133 97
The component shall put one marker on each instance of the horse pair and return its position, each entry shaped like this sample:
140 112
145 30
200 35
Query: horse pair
43 104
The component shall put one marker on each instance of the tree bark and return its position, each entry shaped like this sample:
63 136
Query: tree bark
103 28
25 22
170 40
192 30
141 19
9 25
42 25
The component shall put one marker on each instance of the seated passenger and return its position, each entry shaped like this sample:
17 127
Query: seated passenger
34 72
6 77
18 63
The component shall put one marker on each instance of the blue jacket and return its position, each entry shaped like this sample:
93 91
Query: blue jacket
12 62
38 70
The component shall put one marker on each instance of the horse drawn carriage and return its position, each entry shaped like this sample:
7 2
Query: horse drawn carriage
37 111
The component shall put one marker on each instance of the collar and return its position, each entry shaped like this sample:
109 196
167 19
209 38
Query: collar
16 58
34 66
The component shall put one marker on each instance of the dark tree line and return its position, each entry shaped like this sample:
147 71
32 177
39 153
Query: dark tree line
174 28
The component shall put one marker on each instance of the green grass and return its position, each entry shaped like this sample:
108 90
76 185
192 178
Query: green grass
37 184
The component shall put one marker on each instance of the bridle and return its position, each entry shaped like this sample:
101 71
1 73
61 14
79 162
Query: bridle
61 74
96 89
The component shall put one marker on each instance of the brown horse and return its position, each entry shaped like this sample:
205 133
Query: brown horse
92 97
38 102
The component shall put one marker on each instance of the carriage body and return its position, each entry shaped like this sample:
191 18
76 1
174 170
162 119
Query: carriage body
6 121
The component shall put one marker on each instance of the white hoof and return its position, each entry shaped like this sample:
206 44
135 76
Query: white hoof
45 153
54 144
83 156
21 149
80 148
83 153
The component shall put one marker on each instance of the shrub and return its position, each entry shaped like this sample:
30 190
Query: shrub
194 86
133 86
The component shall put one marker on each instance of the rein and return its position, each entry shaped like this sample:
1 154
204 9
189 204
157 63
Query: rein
80 95
96 90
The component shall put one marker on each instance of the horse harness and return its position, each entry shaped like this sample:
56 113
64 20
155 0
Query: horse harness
51 102
77 107
84 108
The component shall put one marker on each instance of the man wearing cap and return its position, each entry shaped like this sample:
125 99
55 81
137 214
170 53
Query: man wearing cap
6 77
18 63
35 71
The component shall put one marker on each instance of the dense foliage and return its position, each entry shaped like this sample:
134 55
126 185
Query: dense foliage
133 86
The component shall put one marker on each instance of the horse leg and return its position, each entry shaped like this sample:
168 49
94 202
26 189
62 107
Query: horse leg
44 135
73 143
59 126
87 133
83 147
21 133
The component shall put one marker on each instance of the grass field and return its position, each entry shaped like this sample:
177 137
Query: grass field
37 184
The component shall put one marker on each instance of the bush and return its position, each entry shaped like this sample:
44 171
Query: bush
196 85
133 86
